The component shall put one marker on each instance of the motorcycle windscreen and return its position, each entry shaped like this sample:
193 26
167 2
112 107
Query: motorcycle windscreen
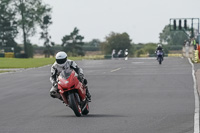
66 73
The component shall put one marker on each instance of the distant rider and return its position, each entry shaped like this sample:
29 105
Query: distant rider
119 54
159 48
62 63
126 54
113 53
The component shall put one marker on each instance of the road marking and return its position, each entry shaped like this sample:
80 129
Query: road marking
145 58
196 112
137 62
115 70
21 69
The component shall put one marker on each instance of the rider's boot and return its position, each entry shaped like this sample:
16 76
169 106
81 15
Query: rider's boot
84 81
54 93
88 94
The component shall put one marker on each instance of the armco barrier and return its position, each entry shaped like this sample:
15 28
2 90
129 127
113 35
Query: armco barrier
196 56
107 56
2 55
175 55
9 55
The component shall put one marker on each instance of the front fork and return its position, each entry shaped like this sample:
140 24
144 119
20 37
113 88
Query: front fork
77 98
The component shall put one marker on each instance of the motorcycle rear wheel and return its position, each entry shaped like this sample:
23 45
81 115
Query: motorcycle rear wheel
74 105
160 60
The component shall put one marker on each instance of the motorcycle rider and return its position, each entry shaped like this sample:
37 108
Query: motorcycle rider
113 54
161 49
119 54
63 63
126 54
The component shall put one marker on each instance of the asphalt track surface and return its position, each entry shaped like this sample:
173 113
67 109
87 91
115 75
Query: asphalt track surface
134 96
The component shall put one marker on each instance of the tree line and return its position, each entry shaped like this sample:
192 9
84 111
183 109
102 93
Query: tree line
170 40
74 45
21 18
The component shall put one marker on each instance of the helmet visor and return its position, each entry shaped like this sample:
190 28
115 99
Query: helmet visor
61 61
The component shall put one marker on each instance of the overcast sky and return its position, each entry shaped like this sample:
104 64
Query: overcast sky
143 20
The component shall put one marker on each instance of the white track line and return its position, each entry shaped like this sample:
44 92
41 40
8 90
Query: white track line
115 70
21 69
196 112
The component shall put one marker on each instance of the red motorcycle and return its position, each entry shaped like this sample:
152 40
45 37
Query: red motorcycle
73 92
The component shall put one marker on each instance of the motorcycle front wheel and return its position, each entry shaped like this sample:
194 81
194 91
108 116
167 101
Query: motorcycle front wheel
74 105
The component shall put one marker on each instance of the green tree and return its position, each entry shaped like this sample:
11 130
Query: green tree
139 52
172 37
46 37
95 43
30 14
150 48
8 25
73 43
116 41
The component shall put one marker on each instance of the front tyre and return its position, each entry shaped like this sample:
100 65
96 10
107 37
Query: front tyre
74 105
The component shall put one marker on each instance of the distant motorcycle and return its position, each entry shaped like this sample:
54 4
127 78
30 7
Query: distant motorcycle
73 92
159 56
126 55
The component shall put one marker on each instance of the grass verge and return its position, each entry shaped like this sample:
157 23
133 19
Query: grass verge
34 62
4 71
24 63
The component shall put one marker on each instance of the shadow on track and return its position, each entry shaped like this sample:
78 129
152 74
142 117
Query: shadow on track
92 116
104 115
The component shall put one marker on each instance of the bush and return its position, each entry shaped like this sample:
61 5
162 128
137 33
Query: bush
174 47
139 52
90 48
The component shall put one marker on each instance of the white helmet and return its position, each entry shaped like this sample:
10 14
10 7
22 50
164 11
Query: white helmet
61 57
159 45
